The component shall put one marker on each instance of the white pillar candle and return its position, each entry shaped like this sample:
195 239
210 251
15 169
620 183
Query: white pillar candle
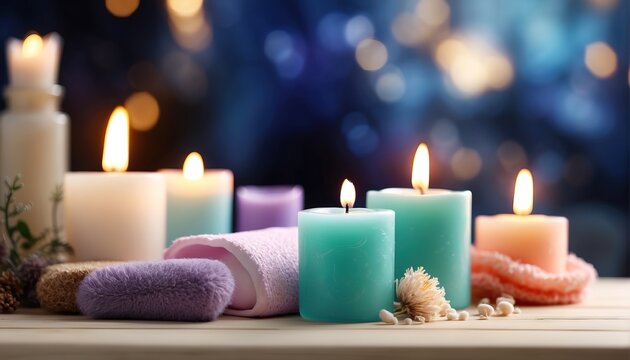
33 133
116 215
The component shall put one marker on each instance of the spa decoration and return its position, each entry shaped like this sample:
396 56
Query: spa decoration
34 134
177 290
494 274
116 215
264 264
199 201
420 297
24 255
346 261
530 239
57 288
260 207
432 229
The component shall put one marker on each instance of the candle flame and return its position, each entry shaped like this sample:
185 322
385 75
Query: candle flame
32 46
348 194
420 172
193 166
116 148
523 193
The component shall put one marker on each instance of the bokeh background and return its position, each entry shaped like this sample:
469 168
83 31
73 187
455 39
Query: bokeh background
311 92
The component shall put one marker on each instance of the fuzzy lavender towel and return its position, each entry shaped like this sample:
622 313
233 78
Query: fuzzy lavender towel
179 290
264 264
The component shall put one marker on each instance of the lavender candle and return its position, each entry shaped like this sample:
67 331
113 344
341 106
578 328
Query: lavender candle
261 207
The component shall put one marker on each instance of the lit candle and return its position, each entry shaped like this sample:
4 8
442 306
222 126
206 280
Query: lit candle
346 261
261 207
199 201
432 229
115 215
33 132
33 63
532 239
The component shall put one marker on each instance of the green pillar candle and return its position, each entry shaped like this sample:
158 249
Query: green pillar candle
346 264
432 230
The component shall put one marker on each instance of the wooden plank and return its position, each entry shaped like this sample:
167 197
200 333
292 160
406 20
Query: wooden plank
599 328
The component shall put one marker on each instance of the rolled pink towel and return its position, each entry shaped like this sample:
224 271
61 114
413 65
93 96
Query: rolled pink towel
264 264
494 274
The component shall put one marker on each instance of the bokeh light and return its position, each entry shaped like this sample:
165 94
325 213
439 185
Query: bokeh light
600 59
122 8
433 12
358 28
371 54
409 30
185 8
390 86
143 110
466 164
189 25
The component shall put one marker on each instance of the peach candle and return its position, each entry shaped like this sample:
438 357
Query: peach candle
532 239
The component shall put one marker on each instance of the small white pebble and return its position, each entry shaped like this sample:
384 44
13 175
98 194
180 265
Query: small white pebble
463 316
485 310
517 310
387 317
484 301
506 308
407 321
452 315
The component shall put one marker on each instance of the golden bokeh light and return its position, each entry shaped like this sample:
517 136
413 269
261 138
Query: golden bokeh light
189 24
448 50
144 111
600 59
469 74
500 71
185 8
122 8
466 164
371 54
433 12
409 30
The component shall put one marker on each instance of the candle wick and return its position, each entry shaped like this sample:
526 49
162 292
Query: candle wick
347 208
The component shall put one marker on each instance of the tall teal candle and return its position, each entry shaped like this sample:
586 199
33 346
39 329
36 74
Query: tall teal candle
432 230
198 201
346 264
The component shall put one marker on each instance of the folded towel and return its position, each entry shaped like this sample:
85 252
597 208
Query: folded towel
178 290
494 274
264 264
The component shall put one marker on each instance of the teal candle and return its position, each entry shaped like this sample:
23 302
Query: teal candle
432 230
346 264
198 201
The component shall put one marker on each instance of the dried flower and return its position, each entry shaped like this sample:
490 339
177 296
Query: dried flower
419 295
29 273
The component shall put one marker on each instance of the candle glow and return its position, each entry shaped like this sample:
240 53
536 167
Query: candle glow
193 166
116 148
348 194
32 46
420 172
523 193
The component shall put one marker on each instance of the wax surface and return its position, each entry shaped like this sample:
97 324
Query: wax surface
39 71
260 207
202 206
532 239
433 231
115 216
346 264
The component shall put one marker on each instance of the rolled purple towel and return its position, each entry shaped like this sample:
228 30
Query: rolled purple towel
178 290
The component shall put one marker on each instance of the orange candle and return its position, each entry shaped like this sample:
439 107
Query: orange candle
532 239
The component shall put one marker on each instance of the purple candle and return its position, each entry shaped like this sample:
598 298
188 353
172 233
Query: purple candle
261 207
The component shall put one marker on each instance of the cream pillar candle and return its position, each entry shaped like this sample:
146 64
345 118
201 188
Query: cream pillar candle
532 239
116 215
33 133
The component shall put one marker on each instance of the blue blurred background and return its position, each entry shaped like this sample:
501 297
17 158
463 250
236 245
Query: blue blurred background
312 92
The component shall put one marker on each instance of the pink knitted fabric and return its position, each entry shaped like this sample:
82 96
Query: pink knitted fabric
494 274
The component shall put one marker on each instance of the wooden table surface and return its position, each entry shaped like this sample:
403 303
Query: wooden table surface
597 329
